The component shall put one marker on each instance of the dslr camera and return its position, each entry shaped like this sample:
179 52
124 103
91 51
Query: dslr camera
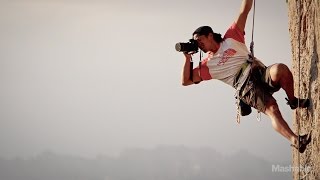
188 47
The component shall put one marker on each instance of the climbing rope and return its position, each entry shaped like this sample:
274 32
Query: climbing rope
251 59
252 31
299 58
252 48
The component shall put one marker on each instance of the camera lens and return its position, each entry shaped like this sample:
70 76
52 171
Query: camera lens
187 47
179 47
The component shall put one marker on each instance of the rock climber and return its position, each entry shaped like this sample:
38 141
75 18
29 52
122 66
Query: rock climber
228 60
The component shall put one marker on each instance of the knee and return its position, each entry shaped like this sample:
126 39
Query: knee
273 112
280 68
272 109
280 71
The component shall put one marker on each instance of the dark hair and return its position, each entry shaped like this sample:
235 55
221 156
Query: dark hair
206 30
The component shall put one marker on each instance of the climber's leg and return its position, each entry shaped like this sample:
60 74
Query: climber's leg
281 76
278 123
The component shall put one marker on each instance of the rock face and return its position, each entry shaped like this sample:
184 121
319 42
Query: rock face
304 29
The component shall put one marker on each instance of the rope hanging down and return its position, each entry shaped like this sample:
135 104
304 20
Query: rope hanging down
252 47
252 43
251 59
298 112
299 57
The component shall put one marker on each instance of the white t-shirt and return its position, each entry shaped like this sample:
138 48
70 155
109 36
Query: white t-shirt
227 61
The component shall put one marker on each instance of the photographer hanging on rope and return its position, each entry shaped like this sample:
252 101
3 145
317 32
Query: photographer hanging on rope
230 61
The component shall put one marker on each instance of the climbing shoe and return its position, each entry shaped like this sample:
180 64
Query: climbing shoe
303 103
304 140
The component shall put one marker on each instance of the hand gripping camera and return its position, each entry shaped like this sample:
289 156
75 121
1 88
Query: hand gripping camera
189 47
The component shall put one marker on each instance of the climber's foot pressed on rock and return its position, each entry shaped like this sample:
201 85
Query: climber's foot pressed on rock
302 103
304 140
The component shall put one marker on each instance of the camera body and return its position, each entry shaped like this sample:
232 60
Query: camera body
189 47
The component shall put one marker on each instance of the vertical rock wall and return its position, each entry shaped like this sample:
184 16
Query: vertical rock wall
304 29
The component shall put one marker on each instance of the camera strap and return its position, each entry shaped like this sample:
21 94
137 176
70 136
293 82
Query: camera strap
200 62
191 67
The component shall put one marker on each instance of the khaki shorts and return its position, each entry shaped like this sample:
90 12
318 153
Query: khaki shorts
258 89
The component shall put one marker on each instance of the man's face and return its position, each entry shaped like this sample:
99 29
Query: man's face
203 42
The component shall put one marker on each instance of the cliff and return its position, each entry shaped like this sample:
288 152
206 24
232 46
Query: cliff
304 29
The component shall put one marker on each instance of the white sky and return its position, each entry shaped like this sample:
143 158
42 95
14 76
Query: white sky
96 77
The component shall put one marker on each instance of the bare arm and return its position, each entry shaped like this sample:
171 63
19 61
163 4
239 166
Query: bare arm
244 11
186 72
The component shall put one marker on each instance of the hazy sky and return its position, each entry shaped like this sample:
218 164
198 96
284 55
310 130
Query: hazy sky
96 77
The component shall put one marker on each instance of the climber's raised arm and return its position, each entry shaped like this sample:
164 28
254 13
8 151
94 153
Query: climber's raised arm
243 14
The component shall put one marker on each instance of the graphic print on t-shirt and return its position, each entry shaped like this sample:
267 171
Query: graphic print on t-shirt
226 55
